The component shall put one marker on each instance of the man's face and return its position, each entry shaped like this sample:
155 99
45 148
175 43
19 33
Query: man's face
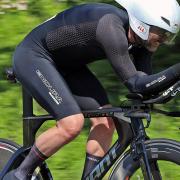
153 42
156 38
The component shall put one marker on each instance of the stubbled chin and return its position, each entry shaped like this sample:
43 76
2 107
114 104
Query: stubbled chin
152 48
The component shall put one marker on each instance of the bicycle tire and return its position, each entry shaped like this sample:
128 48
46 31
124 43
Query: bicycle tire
7 149
164 150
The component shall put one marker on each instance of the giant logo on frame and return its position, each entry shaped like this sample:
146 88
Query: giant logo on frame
175 91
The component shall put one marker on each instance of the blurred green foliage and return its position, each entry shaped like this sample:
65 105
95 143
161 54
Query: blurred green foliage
68 162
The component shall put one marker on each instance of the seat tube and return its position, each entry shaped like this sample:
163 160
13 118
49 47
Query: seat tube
28 138
27 104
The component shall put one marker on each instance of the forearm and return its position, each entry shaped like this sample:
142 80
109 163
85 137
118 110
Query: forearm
152 84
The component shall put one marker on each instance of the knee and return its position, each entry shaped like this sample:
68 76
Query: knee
109 124
104 123
71 126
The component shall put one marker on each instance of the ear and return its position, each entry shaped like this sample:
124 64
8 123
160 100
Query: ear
131 36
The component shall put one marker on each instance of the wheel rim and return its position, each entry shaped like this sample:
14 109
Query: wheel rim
6 152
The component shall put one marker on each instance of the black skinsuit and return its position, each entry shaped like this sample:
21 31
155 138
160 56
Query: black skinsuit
51 62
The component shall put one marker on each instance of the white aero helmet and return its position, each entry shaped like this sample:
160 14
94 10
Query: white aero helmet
164 14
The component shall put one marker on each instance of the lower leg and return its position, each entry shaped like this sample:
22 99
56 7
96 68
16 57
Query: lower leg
27 167
49 142
98 143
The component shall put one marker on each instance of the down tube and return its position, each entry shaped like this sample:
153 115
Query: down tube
108 160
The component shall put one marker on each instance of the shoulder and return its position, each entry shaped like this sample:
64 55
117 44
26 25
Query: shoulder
115 19
111 33
110 23
110 20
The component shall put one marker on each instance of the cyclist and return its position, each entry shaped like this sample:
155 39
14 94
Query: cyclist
51 63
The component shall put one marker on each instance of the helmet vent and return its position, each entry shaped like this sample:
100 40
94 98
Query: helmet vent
165 20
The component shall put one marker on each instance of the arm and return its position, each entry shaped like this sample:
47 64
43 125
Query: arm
111 35
153 84
142 59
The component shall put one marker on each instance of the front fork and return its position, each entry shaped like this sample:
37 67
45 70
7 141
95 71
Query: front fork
138 147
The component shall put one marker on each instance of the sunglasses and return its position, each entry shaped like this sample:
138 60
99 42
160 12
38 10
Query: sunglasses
165 36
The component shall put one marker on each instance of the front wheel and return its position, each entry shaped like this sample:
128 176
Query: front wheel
164 160
7 149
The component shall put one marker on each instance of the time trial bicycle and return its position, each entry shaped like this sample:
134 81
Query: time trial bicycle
131 119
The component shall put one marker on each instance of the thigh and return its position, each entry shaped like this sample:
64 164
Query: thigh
86 88
39 76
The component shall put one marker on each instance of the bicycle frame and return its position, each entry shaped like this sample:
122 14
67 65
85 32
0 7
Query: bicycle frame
32 123
135 129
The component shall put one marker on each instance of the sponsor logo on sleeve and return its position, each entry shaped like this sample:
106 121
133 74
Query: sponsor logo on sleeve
160 79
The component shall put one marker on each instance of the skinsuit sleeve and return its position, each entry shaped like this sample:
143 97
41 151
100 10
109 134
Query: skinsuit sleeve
113 39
